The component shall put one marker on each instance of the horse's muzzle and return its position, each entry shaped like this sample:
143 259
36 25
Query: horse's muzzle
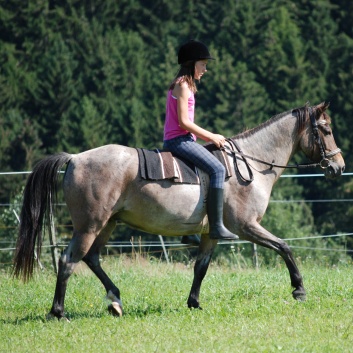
334 170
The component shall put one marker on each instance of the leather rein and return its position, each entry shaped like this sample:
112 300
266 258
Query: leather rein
235 150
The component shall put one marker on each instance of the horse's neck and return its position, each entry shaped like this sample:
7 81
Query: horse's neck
274 142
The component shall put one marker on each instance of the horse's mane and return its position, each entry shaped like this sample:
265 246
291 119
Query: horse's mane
300 113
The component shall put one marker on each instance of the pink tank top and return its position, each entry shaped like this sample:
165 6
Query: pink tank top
171 126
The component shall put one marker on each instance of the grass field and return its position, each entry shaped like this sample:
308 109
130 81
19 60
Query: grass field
243 311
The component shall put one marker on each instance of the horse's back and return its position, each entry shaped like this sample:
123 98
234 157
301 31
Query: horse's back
102 162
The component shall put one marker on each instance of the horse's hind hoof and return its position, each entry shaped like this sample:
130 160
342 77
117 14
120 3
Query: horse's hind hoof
193 303
115 309
51 317
299 294
192 307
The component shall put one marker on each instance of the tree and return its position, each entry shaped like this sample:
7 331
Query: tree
231 100
75 75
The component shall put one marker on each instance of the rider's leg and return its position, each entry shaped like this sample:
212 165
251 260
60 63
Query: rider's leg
215 216
187 148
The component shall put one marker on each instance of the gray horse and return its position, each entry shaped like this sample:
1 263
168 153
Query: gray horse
103 186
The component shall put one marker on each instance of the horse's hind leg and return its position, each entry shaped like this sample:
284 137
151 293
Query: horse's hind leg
204 255
92 260
259 235
76 250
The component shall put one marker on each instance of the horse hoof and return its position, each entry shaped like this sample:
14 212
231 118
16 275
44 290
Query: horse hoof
51 317
299 294
197 308
191 307
115 309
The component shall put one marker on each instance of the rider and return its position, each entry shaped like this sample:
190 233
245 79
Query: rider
180 131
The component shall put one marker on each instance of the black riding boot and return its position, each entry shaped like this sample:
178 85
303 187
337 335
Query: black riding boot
215 216
190 239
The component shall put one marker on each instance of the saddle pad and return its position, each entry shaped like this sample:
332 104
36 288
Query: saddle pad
158 165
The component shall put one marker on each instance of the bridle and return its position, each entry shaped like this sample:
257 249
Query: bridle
325 157
324 163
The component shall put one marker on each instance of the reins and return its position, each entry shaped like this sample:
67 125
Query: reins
235 150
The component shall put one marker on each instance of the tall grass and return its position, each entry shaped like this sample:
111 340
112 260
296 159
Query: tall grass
243 311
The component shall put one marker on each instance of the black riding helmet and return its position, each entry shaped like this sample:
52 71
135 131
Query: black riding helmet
193 50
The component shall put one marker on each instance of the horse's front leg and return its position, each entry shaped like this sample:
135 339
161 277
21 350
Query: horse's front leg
204 255
259 235
299 292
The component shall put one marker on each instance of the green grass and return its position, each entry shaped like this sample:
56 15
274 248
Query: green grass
244 311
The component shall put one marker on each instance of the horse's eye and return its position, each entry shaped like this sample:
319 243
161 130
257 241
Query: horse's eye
326 129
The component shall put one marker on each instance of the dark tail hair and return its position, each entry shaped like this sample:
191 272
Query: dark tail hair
38 197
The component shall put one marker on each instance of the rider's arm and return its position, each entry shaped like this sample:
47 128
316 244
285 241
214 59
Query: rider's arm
182 93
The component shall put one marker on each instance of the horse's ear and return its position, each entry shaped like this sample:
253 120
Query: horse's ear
322 107
326 105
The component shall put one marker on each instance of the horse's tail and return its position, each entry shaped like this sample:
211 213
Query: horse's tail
38 197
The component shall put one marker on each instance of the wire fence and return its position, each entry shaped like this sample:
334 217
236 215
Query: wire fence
173 244
162 246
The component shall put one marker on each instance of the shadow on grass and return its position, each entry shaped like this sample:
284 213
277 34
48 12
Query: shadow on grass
151 311
23 320
72 315
136 312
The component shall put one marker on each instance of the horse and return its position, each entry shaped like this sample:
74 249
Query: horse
103 187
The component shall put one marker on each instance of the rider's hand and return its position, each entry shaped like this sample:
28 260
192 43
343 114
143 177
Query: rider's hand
218 140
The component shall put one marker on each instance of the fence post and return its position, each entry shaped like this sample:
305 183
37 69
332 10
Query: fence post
255 257
164 249
53 249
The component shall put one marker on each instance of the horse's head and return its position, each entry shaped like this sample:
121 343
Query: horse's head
318 143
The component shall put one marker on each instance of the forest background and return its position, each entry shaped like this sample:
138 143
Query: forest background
75 75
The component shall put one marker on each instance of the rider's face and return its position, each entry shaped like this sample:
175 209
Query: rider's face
200 68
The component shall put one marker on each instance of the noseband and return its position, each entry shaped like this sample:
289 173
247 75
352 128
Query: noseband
325 157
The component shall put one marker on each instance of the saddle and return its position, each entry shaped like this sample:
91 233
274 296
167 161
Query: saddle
160 164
